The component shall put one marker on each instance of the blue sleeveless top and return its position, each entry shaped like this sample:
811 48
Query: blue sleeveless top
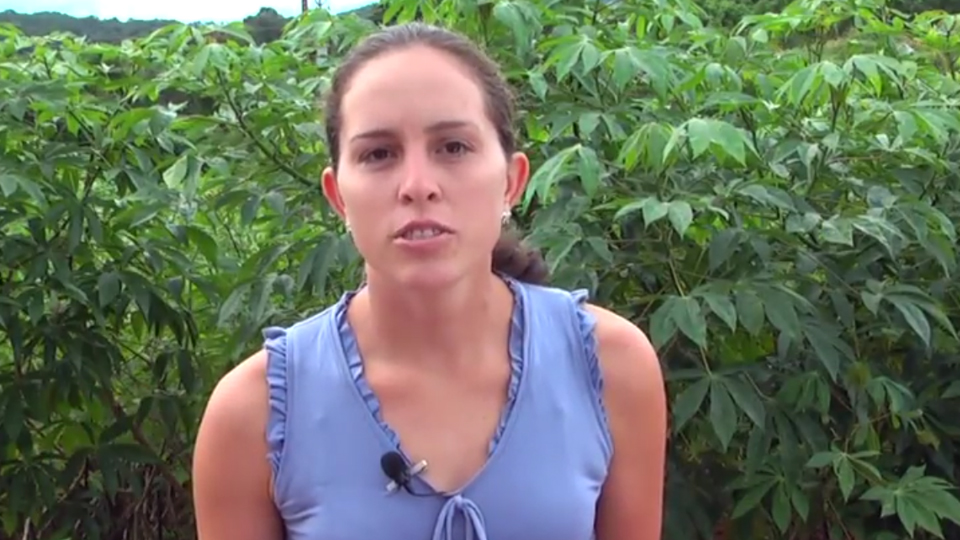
547 461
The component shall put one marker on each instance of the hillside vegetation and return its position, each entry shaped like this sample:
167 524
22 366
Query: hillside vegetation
776 208
266 25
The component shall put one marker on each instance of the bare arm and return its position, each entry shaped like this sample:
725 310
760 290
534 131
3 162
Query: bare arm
231 474
631 504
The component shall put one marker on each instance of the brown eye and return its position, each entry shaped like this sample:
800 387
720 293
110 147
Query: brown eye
455 147
375 155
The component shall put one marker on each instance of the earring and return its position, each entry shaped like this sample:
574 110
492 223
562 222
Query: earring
505 217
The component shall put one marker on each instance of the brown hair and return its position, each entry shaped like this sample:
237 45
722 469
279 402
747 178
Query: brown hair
511 256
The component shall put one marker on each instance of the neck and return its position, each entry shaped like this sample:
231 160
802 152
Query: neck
441 325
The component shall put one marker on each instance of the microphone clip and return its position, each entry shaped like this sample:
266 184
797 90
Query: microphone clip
404 478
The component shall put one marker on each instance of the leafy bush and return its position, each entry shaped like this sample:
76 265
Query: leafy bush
777 210
731 12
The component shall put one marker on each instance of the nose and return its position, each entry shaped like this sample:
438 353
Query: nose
419 181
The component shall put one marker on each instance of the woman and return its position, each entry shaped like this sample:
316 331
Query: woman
490 380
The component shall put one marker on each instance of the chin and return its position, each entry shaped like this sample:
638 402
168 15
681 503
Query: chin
427 277
424 276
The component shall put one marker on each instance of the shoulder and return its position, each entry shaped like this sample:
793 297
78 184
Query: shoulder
235 419
631 503
627 360
633 379
231 475
236 413
240 392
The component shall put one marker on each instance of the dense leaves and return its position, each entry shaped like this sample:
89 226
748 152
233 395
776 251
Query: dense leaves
774 205
730 12
267 24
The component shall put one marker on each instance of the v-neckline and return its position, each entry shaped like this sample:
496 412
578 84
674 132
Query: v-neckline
518 344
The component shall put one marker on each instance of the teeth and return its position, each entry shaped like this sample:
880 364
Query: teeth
420 234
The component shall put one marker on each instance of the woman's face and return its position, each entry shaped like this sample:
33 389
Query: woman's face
422 179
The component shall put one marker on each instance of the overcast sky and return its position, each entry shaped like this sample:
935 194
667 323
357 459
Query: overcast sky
180 10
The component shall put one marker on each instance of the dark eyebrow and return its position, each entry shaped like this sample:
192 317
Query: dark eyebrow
444 125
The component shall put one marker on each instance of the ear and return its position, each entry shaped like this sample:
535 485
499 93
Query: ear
331 190
518 173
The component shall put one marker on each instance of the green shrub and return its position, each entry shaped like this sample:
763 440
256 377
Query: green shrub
777 209
730 12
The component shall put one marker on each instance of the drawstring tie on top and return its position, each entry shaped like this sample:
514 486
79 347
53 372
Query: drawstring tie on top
458 505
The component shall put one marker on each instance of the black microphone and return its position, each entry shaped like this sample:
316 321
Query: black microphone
395 468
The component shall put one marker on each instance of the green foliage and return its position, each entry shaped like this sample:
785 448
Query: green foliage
731 12
778 211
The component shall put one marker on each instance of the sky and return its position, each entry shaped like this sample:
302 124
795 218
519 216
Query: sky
179 10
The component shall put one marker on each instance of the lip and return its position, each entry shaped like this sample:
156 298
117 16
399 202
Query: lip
420 224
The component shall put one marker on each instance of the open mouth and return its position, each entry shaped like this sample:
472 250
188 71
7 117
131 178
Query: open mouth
422 234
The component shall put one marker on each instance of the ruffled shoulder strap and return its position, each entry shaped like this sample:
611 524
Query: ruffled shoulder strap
587 327
275 343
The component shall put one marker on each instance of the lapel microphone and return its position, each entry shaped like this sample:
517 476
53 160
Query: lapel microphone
395 468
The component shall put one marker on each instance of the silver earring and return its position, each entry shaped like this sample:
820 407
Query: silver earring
505 217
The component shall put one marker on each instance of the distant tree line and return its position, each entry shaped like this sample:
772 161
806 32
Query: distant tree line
265 26
101 30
